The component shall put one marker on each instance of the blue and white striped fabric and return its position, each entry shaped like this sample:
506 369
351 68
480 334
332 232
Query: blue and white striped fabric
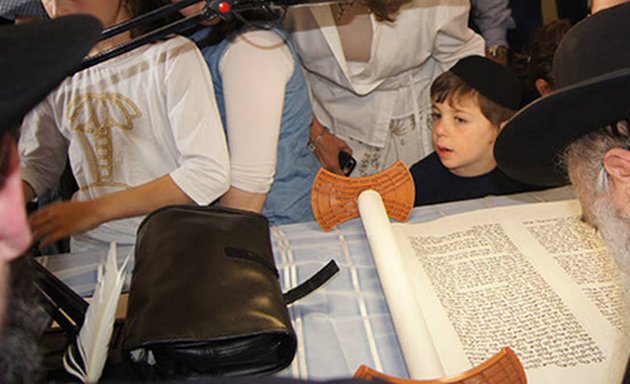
346 322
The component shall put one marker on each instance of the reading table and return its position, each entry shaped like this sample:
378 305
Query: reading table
346 322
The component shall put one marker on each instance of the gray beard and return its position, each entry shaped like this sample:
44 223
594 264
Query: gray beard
615 229
20 357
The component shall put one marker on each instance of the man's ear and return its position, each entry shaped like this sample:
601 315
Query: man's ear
617 165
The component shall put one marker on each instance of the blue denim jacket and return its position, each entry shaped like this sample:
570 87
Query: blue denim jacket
289 199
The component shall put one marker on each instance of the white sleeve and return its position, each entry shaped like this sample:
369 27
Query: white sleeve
203 173
255 70
43 149
454 39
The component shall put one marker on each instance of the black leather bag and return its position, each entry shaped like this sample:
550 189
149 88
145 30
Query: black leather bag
204 297
204 300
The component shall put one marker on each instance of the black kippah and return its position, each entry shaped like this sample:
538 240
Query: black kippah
491 79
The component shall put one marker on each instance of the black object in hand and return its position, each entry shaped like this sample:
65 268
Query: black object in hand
346 162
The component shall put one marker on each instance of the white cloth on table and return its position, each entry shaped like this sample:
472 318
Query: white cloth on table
346 322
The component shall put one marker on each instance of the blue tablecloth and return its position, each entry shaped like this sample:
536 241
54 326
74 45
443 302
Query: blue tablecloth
346 322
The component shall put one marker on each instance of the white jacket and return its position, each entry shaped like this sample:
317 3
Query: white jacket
426 39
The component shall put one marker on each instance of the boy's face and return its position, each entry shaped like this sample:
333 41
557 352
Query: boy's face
463 137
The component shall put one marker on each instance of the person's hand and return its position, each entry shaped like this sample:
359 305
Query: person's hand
59 220
327 147
498 54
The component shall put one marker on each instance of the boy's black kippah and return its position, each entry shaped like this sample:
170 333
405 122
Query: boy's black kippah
493 80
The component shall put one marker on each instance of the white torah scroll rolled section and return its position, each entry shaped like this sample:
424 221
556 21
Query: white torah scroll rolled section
409 323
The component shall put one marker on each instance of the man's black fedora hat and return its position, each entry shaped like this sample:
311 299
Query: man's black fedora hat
36 57
591 72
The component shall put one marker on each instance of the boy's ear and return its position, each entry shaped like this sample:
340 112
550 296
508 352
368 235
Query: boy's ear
617 165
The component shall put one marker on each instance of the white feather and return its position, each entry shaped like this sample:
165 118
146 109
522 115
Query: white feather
93 340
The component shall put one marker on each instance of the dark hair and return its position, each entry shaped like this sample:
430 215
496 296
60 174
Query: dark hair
535 63
136 8
451 88
384 10
7 139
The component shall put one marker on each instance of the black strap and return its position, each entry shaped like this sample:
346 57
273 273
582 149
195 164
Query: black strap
75 306
72 304
314 282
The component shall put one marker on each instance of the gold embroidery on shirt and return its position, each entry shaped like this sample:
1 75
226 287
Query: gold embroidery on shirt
94 116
